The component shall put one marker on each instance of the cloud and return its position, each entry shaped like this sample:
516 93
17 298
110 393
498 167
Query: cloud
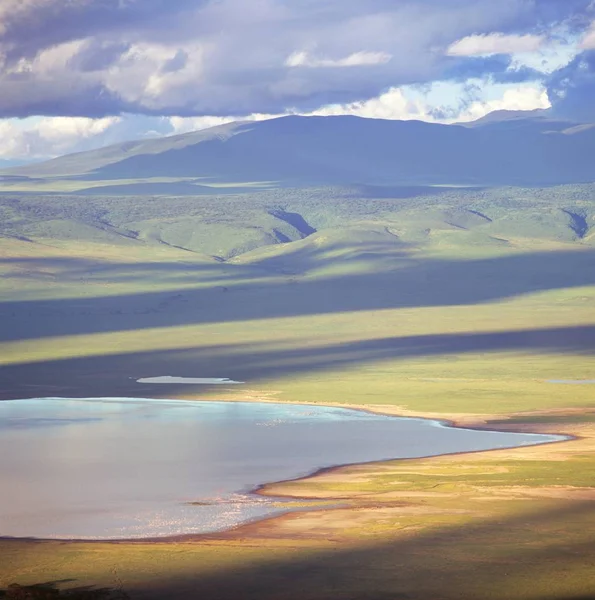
499 67
523 97
357 59
588 42
466 104
572 89
495 43
79 74
187 124
51 136
392 104
547 60
197 57
155 75
443 102
29 26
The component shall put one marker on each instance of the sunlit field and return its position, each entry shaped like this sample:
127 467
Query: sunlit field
467 306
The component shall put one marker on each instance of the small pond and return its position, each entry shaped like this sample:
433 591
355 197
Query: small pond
108 468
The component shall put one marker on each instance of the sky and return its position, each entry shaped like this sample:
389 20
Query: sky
80 74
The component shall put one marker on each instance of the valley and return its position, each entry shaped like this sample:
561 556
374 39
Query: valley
464 304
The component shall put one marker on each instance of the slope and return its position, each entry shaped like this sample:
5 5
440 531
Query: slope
303 151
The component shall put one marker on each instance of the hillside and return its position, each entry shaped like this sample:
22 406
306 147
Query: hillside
249 286
222 227
306 151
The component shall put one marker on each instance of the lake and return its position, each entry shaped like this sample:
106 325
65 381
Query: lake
109 468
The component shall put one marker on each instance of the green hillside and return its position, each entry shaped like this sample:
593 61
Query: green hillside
226 226
78 266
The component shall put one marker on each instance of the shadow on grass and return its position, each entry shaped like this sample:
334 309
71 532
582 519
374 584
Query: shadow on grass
116 375
407 283
51 591
546 554
531 556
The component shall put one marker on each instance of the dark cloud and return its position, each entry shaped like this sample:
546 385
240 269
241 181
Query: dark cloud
98 56
229 57
572 89
29 26
177 63
71 99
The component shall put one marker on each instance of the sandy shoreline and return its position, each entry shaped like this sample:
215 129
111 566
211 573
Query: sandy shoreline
278 489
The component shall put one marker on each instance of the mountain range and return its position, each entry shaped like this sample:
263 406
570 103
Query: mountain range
517 149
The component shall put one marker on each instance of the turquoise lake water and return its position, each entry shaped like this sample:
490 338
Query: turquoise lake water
102 468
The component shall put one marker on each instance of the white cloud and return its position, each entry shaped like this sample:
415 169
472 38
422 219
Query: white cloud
393 104
357 59
66 129
230 57
495 43
407 103
546 60
522 97
12 8
44 137
187 124
156 75
49 136
49 62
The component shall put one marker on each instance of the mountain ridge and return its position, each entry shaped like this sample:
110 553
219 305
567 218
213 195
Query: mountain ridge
346 150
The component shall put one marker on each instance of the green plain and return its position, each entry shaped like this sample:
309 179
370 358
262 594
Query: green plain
463 303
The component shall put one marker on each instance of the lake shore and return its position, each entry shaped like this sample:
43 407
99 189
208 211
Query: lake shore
305 496
378 512
306 489
338 517
301 502
331 521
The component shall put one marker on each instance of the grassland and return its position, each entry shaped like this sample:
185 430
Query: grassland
462 304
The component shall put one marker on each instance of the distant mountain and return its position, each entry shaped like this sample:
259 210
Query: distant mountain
532 149
499 116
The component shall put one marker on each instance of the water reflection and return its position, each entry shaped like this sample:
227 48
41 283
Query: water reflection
114 468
